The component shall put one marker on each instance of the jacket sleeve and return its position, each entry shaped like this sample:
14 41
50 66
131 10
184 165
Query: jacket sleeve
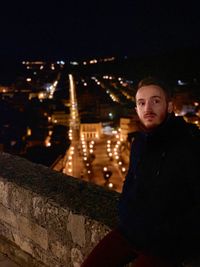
192 213
128 183
185 224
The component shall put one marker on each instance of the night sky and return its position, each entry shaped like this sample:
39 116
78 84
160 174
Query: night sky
80 29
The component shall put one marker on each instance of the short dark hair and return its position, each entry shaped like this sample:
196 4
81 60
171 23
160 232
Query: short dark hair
151 80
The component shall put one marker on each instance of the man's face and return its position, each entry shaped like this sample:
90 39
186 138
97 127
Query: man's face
151 106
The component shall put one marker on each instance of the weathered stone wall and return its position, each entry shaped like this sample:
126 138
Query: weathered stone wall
50 219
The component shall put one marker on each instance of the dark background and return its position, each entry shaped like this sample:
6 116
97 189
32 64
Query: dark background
79 29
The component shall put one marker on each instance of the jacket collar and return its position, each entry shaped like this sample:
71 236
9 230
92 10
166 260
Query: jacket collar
172 128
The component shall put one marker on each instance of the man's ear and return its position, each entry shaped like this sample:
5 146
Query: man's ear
136 110
170 107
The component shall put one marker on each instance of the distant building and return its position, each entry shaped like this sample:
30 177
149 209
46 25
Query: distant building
91 130
61 118
40 95
128 125
36 137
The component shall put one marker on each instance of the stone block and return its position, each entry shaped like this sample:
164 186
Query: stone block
38 210
76 226
60 251
23 243
19 199
76 257
4 192
27 228
33 231
6 215
6 231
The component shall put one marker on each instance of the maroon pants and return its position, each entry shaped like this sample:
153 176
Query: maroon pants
115 251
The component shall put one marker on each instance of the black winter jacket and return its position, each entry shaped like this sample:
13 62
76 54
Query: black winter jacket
159 207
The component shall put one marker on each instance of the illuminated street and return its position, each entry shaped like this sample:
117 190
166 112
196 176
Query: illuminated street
96 160
75 166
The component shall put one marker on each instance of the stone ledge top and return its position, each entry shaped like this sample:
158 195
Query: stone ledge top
79 196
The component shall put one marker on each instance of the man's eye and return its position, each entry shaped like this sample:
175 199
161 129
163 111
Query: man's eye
156 101
141 103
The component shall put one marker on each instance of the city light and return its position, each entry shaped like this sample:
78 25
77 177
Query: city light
110 185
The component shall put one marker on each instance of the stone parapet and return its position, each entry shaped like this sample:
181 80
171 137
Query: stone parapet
48 218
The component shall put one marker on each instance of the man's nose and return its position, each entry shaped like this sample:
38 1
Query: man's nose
148 106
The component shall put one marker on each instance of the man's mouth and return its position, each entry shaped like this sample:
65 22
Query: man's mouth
149 115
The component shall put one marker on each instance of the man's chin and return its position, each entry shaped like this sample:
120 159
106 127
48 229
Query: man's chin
150 126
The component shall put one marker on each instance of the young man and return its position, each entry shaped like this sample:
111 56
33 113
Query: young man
159 208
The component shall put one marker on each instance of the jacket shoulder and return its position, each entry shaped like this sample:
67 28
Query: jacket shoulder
194 131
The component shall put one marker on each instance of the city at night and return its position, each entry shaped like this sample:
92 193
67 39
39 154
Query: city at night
70 115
